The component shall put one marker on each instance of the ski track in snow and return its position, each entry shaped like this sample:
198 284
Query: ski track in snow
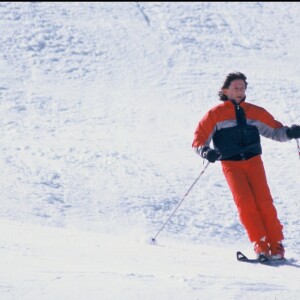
99 102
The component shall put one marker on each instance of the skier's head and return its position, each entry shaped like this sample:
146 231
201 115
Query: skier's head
229 78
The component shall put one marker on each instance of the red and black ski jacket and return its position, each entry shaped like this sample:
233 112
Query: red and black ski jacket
235 130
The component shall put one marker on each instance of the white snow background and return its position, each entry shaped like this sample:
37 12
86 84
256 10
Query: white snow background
99 103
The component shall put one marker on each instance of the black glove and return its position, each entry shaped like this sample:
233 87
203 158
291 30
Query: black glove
210 154
293 132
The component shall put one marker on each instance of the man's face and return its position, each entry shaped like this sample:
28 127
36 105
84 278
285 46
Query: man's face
236 91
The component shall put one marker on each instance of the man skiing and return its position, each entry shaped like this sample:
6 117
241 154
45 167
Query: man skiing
235 127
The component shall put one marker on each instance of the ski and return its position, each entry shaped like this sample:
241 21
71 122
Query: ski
261 259
241 257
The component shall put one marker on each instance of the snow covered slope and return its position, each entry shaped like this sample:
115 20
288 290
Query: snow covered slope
98 106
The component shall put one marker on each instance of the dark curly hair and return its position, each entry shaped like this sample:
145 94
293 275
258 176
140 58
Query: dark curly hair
229 78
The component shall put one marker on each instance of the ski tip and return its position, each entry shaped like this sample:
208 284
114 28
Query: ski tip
240 256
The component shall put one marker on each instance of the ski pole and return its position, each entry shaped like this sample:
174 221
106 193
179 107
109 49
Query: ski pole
203 170
298 146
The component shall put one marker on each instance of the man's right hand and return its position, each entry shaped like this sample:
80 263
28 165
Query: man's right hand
210 154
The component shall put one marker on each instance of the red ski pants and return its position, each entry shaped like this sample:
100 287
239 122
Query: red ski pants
248 184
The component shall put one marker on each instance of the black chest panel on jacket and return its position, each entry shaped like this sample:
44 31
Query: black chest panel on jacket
241 139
